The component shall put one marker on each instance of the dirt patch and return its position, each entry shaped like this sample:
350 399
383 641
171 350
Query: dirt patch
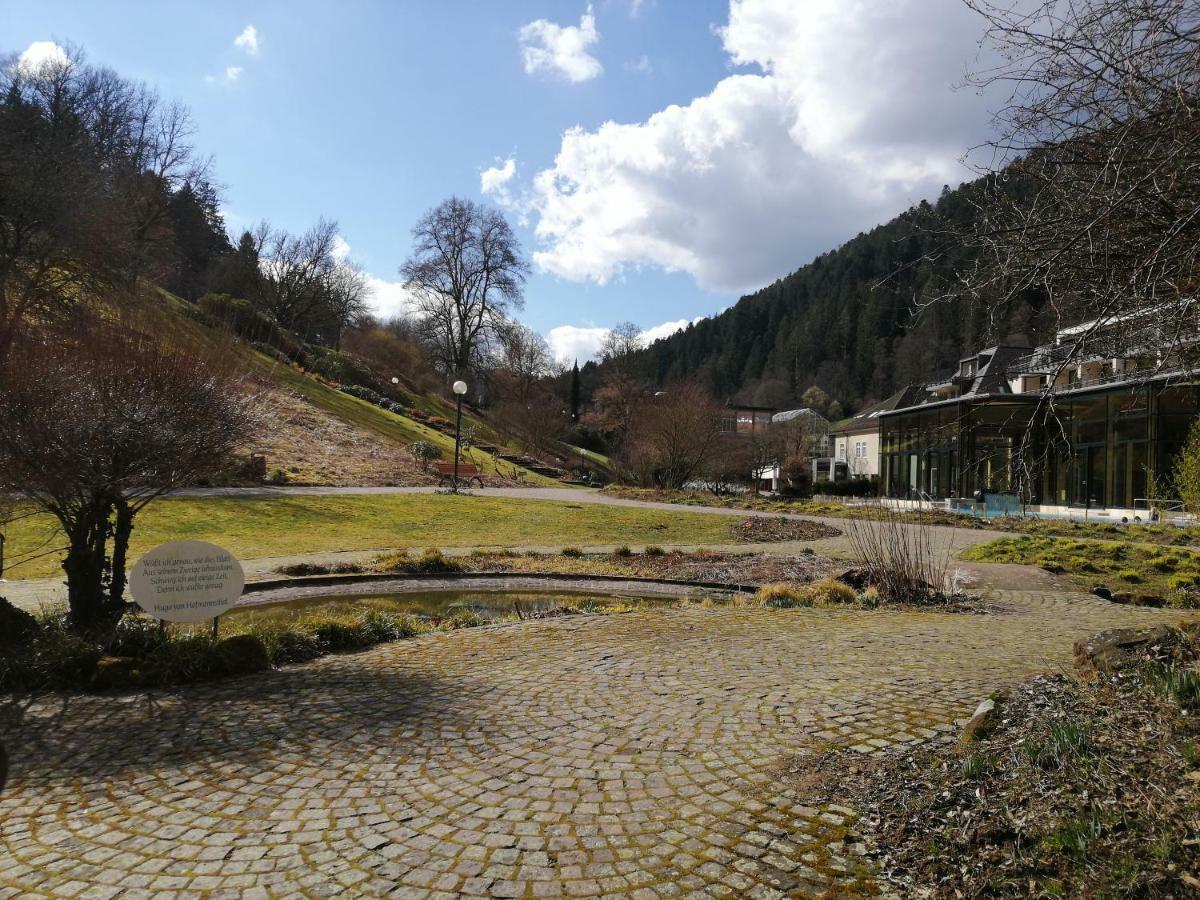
764 529
313 447
1077 790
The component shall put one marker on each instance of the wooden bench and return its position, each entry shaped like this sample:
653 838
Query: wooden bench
468 473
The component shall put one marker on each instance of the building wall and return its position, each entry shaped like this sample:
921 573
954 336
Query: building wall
860 453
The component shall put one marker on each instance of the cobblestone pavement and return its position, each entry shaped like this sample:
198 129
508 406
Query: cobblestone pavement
636 755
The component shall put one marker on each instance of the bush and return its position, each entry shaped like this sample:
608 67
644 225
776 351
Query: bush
830 592
654 550
242 654
782 596
571 551
245 320
424 453
851 487
623 551
373 397
431 562
339 367
16 625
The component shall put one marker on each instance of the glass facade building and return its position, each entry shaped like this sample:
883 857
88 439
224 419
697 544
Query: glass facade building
1092 448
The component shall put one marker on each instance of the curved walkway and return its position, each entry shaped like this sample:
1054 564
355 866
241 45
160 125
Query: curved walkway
632 755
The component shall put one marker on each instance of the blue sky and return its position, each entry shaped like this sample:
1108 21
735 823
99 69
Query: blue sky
658 158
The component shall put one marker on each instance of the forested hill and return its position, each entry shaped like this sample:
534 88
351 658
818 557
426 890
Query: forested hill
845 322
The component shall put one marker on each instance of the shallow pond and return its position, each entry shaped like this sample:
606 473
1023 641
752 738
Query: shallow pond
485 604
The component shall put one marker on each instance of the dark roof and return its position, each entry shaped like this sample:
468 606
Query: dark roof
868 419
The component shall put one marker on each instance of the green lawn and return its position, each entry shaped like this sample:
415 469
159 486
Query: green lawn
282 526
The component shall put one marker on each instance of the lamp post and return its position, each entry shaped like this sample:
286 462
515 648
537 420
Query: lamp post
460 388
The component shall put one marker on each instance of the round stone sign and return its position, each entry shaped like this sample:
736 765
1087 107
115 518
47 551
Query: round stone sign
187 581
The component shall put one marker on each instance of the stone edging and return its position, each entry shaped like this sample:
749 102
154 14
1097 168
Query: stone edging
303 581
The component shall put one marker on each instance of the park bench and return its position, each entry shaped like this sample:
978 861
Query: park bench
467 473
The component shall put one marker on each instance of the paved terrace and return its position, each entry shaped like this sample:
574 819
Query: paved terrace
635 755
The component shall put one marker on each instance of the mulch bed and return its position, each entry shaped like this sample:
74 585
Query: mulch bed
1080 790
729 568
764 529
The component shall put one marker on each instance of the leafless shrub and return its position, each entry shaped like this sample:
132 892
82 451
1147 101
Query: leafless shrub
903 559
94 426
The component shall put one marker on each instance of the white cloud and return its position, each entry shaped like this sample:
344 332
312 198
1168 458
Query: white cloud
848 117
229 76
494 180
41 53
640 66
573 342
561 49
666 329
247 40
341 248
389 298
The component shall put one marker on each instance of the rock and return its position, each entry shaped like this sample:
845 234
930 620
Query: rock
116 672
859 579
242 654
981 723
1121 648
1102 592
1151 600
15 624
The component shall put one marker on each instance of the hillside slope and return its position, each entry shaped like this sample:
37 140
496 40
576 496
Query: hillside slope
847 321
312 432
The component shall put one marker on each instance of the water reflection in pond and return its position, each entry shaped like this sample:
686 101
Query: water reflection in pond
489 605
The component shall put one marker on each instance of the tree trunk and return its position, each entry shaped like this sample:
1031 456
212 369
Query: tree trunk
121 531
85 565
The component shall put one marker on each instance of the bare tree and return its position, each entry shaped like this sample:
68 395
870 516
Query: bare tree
615 406
1097 207
94 426
619 348
467 272
296 270
524 359
676 433
346 295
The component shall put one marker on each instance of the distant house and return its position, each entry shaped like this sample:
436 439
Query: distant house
742 419
816 429
855 439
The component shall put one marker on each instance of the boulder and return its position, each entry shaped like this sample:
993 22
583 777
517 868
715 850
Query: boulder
981 723
242 654
1123 648
15 624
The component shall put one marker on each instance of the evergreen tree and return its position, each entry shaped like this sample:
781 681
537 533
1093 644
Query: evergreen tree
575 395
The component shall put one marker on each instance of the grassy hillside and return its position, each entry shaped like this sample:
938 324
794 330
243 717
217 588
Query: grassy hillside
160 312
